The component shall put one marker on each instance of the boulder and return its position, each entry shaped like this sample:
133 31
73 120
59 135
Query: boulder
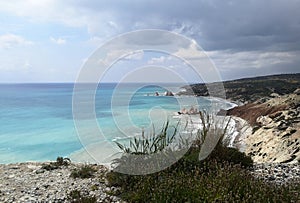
297 91
169 93
264 120
274 95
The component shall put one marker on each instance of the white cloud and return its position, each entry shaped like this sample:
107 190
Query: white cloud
27 65
250 59
254 63
11 40
137 55
72 14
157 60
95 41
58 41
193 52
167 61
112 56
16 64
238 27
43 11
236 38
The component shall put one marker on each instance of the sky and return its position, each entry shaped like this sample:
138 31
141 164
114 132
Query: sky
51 40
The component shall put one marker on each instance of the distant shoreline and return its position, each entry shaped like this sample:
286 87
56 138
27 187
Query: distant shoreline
272 80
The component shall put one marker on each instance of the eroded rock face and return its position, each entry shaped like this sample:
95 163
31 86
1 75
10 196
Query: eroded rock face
276 129
252 111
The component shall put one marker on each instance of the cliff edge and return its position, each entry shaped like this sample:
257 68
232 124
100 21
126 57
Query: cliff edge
271 105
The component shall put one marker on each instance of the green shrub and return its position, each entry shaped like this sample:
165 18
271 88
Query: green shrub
49 167
221 177
75 196
231 155
84 172
206 181
150 144
148 152
94 187
60 161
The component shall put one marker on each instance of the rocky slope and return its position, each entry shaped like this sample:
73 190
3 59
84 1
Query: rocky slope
29 182
276 128
271 105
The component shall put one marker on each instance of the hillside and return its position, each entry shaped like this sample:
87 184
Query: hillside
276 128
271 105
251 89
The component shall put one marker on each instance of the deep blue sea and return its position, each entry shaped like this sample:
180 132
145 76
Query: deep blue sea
36 120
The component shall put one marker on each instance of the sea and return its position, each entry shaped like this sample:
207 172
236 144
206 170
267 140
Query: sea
37 120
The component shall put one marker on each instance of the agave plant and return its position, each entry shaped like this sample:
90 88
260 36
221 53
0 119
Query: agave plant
148 152
156 149
147 145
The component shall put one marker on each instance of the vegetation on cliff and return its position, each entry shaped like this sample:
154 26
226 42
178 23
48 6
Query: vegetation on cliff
225 176
252 89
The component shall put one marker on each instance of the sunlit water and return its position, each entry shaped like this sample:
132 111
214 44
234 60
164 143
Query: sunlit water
36 121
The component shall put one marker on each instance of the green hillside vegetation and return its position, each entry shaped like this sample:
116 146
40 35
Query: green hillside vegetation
251 89
222 177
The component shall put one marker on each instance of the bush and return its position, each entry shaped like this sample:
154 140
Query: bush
211 180
231 155
221 177
84 172
148 152
75 196
49 167
150 144
60 161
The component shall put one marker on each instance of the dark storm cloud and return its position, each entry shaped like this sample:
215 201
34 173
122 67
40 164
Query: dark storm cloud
215 24
242 37
246 38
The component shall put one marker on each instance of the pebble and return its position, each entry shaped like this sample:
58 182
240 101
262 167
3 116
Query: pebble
20 183
28 182
277 173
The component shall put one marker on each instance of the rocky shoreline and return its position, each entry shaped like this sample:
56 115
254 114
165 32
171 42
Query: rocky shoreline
271 106
29 182
272 139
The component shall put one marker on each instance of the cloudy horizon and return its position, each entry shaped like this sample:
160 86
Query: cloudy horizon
49 41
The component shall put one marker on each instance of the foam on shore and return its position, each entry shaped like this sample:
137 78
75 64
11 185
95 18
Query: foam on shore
104 152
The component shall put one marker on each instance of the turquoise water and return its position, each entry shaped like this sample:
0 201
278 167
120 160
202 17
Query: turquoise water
36 121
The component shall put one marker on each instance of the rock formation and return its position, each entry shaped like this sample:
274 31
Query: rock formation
276 128
169 93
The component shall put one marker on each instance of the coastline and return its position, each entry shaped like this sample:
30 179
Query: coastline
82 156
89 154
239 128
276 128
27 181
